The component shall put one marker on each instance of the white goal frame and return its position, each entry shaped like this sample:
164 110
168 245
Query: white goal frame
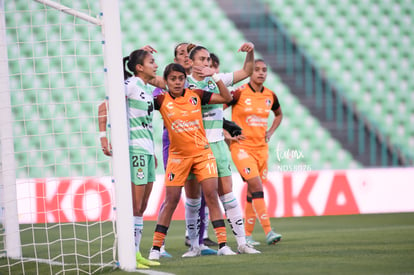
8 170
110 23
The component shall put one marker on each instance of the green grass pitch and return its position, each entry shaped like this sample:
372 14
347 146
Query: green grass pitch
354 244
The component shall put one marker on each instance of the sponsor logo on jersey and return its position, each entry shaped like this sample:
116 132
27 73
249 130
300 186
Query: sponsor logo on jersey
247 170
171 176
185 125
254 120
248 101
209 114
193 100
140 174
170 105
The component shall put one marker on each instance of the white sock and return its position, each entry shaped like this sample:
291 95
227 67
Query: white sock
206 222
234 217
192 219
138 228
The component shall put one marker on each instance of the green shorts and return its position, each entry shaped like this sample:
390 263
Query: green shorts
142 167
221 153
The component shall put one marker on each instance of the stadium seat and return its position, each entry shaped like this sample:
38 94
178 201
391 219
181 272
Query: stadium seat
380 42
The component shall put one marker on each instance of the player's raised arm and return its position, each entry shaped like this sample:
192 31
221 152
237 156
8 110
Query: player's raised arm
248 65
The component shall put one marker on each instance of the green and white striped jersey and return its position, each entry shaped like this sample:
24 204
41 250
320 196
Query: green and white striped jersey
212 113
140 108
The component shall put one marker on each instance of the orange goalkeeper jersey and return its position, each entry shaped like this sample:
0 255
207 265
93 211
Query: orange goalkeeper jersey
184 122
250 110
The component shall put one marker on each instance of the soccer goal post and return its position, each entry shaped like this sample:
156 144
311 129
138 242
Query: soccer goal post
65 207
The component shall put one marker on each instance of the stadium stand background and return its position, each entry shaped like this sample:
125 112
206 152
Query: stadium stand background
365 47
74 147
347 62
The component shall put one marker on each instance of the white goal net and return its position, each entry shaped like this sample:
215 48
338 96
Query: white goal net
49 141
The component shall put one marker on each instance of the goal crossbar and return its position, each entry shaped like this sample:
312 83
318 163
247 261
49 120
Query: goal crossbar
70 11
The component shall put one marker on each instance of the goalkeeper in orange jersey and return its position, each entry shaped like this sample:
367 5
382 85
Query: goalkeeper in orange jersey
251 106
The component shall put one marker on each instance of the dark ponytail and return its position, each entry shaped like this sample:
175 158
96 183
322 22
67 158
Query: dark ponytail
131 62
126 73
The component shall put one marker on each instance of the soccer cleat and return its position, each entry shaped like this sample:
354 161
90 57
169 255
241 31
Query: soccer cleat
141 260
207 241
205 250
192 252
164 253
154 254
273 237
141 266
247 249
225 251
187 241
249 240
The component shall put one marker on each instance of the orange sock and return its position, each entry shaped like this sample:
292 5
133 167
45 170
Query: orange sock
159 236
220 230
249 217
259 206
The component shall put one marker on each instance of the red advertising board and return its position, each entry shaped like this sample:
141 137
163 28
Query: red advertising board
311 193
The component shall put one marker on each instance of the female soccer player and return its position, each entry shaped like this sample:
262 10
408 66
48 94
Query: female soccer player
181 57
189 151
213 123
251 106
141 144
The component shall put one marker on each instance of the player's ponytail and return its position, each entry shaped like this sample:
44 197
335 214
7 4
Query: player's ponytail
124 62
131 62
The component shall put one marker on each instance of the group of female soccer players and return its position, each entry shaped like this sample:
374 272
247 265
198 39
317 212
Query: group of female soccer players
191 97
